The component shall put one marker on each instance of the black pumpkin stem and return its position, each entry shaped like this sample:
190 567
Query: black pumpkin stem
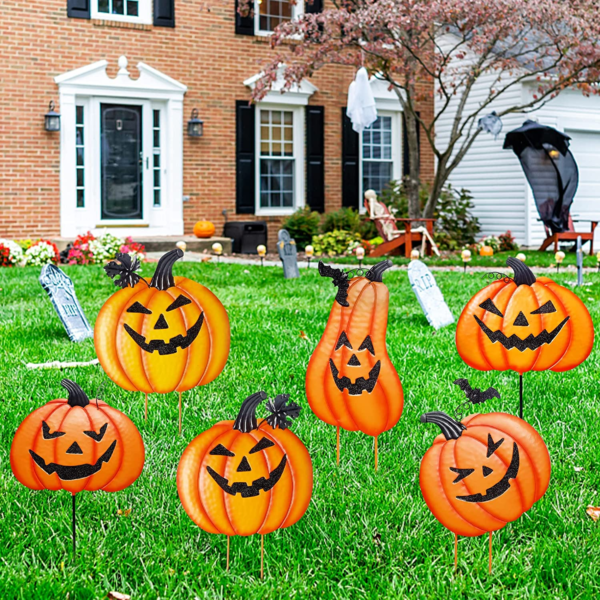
124 266
523 274
282 413
375 273
451 429
246 419
163 276
77 397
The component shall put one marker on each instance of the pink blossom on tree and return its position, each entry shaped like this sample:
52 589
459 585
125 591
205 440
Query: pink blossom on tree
450 44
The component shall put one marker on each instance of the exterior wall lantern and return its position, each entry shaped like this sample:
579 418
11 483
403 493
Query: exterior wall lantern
195 126
52 119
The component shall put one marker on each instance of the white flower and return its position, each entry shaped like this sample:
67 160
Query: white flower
106 247
39 254
16 252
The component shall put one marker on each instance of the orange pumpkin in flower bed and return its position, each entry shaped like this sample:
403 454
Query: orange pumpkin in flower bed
204 229
486 251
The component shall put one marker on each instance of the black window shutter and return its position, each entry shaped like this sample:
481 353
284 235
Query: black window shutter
245 157
78 9
164 13
243 25
315 157
350 163
405 157
315 7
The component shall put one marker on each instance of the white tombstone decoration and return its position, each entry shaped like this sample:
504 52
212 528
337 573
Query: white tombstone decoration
429 295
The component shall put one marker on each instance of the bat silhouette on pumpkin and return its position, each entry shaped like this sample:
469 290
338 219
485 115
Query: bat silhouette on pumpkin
476 396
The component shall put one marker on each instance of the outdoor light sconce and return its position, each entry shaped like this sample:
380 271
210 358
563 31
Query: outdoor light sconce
52 118
195 126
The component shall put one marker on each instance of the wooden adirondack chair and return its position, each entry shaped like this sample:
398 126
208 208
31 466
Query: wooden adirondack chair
571 236
393 237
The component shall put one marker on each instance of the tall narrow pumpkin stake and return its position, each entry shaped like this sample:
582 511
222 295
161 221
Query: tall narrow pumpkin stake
74 495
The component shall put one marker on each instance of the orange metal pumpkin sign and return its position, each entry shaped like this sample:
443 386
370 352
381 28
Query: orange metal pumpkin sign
351 382
247 476
524 324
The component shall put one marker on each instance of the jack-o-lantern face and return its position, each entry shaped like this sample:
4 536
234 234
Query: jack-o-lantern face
246 477
524 324
483 472
76 444
161 335
357 384
351 381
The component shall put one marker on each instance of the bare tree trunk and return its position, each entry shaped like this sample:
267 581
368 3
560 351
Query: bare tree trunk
439 180
413 181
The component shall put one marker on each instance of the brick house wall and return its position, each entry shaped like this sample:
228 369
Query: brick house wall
202 51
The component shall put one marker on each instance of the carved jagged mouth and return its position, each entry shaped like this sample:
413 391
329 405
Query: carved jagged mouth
69 473
531 342
360 385
179 341
502 486
248 491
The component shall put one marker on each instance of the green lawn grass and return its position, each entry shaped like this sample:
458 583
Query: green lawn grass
365 534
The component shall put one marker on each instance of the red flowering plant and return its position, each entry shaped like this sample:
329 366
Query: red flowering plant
5 258
80 252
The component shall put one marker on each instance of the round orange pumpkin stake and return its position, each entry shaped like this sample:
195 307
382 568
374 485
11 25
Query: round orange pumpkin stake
247 476
351 382
160 335
483 472
524 324
77 445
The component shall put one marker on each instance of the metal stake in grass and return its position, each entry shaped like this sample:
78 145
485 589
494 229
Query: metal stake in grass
179 413
262 556
73 525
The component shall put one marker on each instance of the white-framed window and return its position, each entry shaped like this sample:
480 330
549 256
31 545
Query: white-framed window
268 14
381 152
79 156
280 159
131 11
156 158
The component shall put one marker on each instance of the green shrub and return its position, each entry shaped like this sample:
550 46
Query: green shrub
507 242
334 243
455 226
349 219
302 226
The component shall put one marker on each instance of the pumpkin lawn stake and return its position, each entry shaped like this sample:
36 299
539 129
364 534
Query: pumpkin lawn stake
160 335
351 382
75 445
525 324
247 476
483 471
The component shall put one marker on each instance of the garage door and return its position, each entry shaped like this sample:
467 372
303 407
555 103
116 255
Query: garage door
585 147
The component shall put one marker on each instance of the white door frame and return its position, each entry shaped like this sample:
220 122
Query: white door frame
90 86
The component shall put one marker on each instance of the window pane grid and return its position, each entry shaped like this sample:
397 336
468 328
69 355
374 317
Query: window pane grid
156 156
277 164
377 163
80 157
128 8
273 13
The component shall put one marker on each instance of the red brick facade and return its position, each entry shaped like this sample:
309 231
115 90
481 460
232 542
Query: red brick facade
203 52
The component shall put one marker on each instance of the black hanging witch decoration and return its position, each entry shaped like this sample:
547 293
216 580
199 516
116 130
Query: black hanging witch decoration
524 323
162 334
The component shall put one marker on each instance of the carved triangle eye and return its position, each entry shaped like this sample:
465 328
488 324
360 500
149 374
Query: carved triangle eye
179 302
220 450
462 473
136 307
46 432
367 345
262 445
343 341
545 309
490 307
493 446
97 437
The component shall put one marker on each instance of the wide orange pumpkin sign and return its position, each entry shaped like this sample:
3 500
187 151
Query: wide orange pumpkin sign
351 382
247 476
482 472
162 334
525 324
76 444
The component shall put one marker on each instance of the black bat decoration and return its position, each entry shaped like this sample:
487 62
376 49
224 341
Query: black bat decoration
476 396
340 280
125 268
281 411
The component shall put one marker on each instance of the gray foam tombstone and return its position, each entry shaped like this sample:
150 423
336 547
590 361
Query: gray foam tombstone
429 295
288 254
579 262
61 291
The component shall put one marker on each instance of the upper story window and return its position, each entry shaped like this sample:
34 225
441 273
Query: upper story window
271 13
133 11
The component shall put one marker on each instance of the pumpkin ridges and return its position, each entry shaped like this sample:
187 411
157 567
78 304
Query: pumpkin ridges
496 354
434 494
582 337
215 318
189 487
